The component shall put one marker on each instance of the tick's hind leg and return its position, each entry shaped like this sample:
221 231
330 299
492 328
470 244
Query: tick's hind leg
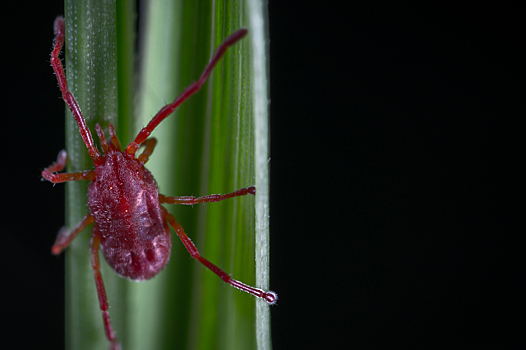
270 297
59 165
101 292
65 237
189 200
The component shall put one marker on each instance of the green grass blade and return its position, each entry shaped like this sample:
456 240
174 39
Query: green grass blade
86 71
260 96
160 319
91 67
126 35
208 146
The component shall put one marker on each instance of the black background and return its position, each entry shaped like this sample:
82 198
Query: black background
394 147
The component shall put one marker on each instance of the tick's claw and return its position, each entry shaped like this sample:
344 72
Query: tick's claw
271 297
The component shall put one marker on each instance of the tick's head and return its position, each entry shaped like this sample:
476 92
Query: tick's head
114 144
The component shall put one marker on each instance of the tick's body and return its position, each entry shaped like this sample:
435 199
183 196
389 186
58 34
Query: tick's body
129 223
124 202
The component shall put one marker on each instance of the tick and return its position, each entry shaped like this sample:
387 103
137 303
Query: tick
130 226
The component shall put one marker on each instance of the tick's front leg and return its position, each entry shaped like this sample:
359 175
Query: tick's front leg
148 150
49 172
189 200
101 292
60 33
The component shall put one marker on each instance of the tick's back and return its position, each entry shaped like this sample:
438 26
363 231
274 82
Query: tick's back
124 201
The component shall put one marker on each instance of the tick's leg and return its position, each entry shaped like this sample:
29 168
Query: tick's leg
189 91
114 138
145 155
101 292
67 96
65 237
102 138
189 200
64 177
270 297
59 165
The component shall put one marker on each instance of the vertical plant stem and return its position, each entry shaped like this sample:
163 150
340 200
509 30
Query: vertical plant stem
91 70
259 34
159 307
206 147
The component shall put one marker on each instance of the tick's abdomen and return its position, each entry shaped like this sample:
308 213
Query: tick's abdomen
124 201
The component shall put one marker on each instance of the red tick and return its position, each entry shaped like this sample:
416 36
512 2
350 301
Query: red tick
129 224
